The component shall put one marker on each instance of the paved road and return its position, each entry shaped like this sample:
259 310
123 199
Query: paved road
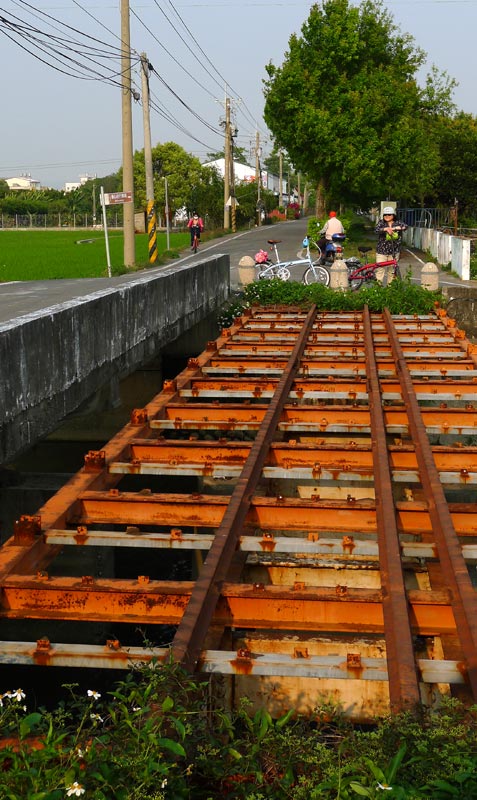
18 299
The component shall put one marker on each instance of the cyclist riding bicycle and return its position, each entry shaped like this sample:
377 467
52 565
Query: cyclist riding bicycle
196 226
389 230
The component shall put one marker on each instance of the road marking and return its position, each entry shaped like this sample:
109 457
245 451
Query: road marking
416 257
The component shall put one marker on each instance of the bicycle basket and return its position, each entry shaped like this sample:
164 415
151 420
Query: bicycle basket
261 257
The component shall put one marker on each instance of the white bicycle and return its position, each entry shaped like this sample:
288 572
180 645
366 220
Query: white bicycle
314 272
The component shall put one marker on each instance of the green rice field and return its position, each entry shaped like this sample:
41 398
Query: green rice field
46 254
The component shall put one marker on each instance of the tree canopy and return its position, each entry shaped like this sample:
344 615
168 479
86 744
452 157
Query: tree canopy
458 163
346 105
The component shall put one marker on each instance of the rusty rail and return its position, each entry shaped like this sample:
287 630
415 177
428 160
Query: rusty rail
454 569
402 672
196 619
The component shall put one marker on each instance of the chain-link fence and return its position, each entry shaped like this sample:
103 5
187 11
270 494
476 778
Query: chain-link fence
61 220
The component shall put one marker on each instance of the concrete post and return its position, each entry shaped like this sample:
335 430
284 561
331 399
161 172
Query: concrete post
247 271
430 276
339 275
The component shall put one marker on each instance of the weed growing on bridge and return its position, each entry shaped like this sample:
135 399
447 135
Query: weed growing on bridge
401 297
157 735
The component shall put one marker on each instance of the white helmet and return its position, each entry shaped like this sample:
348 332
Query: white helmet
389 210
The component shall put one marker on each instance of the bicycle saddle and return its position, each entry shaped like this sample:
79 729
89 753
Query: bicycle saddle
273 241
364 249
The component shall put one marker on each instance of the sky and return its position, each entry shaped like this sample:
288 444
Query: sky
57 127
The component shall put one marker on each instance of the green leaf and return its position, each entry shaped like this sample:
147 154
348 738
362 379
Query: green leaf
361 790
167 703
286 718
396 762
28 723
179 726
174 747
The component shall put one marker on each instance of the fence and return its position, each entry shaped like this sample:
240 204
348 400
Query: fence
60 220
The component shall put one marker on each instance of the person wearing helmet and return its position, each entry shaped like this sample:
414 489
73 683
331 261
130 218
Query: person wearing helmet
331 226
389 230
196 226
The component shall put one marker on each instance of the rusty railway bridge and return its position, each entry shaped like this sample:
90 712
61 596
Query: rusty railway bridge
331 536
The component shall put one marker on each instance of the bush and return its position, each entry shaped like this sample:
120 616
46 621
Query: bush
401 297
157 736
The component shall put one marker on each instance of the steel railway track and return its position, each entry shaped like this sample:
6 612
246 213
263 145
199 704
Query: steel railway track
315 476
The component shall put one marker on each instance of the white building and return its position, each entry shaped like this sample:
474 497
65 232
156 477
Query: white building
23 182
244 172
70 187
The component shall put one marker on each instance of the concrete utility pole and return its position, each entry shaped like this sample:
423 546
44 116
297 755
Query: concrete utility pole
151 208
258 178
280 178
128 176
227 165
94 201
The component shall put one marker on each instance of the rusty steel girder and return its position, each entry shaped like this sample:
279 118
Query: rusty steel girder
333 462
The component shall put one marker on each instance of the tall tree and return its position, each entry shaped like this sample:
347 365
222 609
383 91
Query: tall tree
347 107
182 170
458 163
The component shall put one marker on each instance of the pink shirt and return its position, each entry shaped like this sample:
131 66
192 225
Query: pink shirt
332 226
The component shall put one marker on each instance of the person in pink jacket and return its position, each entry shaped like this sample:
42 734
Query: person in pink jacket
331 226
196 226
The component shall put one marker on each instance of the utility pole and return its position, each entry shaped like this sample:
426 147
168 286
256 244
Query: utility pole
150 205
227 165
94 201
258 178
128 175
280 178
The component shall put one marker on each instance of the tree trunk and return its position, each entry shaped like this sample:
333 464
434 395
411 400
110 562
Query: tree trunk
320 199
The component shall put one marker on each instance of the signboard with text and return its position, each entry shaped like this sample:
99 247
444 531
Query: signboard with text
114 198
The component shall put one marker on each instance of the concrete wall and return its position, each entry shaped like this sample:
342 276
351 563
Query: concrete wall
55 359
444 247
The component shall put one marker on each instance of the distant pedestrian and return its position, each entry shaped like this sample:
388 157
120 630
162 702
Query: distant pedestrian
389 230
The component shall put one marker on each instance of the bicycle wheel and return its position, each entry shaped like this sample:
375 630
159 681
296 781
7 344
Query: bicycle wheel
316 274
266 270
283 273
356 283
195 244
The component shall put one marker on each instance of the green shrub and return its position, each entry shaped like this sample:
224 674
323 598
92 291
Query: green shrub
158 735
401 297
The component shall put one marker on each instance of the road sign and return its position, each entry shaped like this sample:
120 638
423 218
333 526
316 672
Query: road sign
114 198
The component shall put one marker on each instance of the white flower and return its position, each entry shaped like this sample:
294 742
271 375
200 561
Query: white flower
96 718
164 783
75 790
93 694
17 695
385 787
136 708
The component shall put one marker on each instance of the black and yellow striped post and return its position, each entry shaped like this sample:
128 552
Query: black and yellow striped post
152 231
234 205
